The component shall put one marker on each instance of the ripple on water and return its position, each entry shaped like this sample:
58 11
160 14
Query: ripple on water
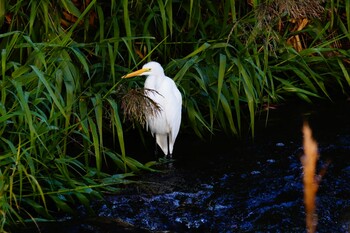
264 201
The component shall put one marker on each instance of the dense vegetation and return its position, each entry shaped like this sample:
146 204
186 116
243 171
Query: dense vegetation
61 91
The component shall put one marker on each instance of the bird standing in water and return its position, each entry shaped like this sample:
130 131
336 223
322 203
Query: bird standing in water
164 125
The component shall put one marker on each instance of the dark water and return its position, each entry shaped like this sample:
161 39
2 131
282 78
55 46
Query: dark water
232 185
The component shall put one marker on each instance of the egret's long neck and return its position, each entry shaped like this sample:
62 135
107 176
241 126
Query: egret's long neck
153 82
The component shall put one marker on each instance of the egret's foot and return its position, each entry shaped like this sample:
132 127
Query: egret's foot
166 163
166 160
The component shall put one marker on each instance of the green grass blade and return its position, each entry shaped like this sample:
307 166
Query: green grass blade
344 70
79 16
23 101
169 12
96 144
71 8
98 108
2 11
49 89
227 109
163 17
221 75
119 127
82 59
198 50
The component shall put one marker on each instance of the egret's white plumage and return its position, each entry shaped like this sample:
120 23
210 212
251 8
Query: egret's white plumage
164 125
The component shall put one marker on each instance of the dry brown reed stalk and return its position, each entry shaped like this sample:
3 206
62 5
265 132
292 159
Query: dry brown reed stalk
272 11
309 161
137 105
297 12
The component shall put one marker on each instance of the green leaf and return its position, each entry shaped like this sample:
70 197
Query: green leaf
221 75
49 89
71 8
62 204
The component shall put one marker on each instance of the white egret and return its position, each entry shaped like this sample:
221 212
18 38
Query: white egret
165 125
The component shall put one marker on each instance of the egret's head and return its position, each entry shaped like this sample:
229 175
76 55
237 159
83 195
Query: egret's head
150 68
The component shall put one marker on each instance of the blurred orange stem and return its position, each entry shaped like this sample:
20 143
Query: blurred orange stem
310 183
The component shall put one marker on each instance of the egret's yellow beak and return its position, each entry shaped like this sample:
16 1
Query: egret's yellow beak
136 73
